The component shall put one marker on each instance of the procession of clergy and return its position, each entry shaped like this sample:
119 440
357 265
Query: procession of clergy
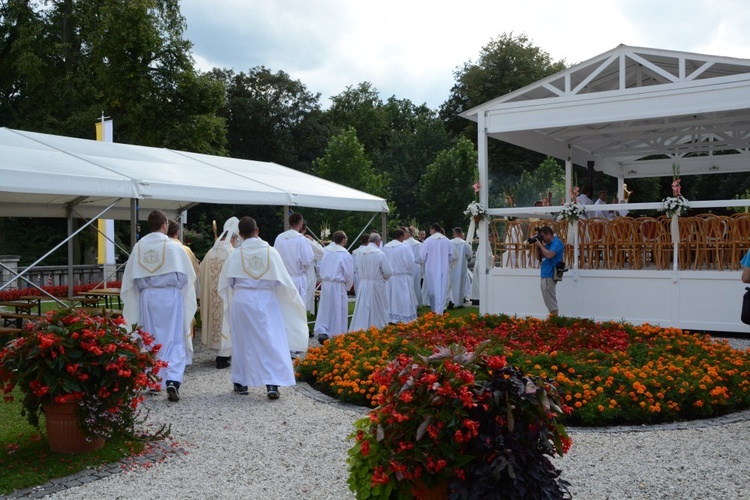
254 301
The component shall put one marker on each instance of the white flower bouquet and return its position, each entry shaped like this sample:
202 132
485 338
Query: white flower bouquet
476 210
571 211
674 205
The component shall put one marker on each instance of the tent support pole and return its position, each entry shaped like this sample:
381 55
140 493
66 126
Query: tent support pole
286 217
383 225
70 236
568 176
70 252
133 222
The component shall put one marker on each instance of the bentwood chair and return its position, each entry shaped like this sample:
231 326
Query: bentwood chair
653 243
622 237
740 235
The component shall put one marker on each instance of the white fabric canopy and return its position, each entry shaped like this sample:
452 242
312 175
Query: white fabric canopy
41 175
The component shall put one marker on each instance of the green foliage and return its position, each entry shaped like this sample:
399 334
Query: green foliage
533 186
271 117
360 108
446 188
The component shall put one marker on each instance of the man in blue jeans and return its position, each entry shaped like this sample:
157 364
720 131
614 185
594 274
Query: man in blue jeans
551 248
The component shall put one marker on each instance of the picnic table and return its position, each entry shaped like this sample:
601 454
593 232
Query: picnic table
108 294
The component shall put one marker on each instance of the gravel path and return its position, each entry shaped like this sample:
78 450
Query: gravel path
230 446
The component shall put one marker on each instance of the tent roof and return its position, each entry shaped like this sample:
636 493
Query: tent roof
41 175
633 112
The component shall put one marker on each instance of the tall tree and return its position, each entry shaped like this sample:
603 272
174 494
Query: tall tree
446 188
416 136
273 118
64 62
505 64
345 162
361 108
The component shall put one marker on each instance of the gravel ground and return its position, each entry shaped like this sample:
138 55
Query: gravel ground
231 446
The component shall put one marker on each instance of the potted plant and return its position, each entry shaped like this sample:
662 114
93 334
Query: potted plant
460 423
86 373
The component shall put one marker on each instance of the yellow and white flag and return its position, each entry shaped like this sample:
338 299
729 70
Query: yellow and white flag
106 247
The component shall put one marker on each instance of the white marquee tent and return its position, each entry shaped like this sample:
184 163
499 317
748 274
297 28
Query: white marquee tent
632 112
43 175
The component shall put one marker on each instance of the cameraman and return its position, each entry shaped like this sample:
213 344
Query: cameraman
551 248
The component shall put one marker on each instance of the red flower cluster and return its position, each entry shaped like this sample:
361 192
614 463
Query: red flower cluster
74 357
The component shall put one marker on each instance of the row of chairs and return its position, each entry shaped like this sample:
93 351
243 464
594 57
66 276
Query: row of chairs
705 242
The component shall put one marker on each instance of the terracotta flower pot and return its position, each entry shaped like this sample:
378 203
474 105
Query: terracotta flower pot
424 492
64 431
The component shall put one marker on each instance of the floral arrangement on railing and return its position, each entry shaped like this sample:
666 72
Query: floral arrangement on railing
571 211
675 204
476 210
325 232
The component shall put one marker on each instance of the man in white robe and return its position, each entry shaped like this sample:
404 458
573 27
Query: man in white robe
602 200
296 253
460 287
211 305
265 313
402 302
416 248
364 240
337 276
312 275
438 256
158 293
371 308
584 199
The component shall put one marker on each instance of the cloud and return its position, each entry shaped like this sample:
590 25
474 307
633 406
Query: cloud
410 48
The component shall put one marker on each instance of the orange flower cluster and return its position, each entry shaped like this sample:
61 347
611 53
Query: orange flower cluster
609 373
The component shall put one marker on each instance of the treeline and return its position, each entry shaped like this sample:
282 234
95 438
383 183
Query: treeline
65 62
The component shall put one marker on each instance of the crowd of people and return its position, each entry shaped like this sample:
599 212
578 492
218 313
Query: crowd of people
254 297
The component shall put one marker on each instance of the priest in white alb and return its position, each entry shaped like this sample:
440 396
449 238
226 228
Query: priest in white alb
296 253
416 248
312 275
402 302
371 307
158 294
460 287
211 305
265 312
337 276
364 240
438 256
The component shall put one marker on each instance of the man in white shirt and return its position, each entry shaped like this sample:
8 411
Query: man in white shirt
583 199
337 276
371 308
265 313
296 253
158 294
460 287
438 256
602 200
416 275
402 302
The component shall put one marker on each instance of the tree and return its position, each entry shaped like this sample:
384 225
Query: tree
64 62
360 108
272 118
345 162
505 64
446 188
416 137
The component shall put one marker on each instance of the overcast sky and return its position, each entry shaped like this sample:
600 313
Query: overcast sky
410 48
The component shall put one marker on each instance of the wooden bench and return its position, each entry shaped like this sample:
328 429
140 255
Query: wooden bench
7 331
17 318
84 301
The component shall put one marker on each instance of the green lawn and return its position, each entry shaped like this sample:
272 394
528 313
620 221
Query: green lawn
25 459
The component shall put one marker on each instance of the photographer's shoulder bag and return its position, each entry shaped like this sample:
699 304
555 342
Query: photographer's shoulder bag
560 270
746 307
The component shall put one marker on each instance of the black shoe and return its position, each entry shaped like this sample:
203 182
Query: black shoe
450 305
173 391
475 302
223 362
272 391
241 389
322 338
310 335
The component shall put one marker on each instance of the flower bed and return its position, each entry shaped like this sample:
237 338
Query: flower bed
610 373
57 291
